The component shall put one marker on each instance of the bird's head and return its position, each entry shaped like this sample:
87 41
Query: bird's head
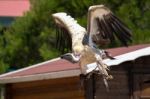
77 51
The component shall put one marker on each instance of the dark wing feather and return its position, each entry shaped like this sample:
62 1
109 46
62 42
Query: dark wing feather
63 39
104 24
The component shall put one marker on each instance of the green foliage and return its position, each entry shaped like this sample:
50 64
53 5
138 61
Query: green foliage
136 14
31 38
3 63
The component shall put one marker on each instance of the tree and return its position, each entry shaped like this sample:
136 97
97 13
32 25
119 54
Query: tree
3 64
29 38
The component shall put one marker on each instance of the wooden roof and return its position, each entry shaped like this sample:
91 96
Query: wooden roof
58 68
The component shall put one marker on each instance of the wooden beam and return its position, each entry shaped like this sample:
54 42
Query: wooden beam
51 75
89 86
2 92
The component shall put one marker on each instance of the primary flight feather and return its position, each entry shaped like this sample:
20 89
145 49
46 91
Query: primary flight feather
104 25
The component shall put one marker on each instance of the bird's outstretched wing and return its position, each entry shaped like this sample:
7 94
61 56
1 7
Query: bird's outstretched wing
63 38
69 33
104 26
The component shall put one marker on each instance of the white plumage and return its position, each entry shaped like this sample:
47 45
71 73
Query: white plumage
76 31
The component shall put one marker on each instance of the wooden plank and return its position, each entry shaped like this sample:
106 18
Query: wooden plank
63 88
112 97
89 87
45 90
9 91
51 95
145 90
50 87
119 86
46 82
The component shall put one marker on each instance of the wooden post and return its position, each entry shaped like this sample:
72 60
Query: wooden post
8 91
2 92
89 86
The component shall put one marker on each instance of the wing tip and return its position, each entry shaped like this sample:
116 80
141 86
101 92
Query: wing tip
96 6
59 13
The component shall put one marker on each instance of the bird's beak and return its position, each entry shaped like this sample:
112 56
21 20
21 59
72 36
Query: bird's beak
77 55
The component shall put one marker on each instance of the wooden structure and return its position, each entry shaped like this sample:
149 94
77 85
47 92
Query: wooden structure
63 88
60 79
131 81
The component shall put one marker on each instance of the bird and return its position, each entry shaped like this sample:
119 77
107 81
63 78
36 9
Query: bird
103 27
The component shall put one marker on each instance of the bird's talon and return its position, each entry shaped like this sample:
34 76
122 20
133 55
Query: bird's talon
109 77
107 69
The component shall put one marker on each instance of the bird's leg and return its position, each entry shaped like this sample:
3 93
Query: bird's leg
103 70
102 67
104 73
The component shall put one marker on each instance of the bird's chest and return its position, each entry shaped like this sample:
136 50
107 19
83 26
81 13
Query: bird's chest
87 58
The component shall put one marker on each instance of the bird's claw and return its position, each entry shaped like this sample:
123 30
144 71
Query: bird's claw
109 77
103 68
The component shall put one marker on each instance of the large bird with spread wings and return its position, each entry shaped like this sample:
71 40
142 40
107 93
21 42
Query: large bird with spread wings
103 27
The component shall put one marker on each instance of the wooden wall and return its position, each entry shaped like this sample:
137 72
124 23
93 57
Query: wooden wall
64 88
131 81
118 86
141 78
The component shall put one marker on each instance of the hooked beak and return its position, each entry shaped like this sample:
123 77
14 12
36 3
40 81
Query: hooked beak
76 56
